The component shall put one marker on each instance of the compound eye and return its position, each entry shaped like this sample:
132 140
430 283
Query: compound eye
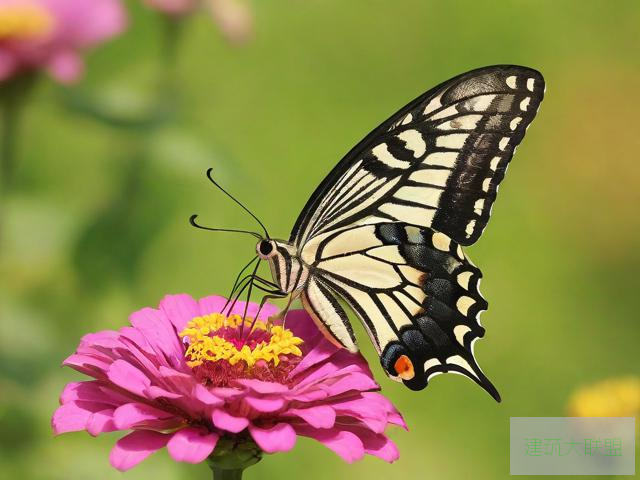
265 247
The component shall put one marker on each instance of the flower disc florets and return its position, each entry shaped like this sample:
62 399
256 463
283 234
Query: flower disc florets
223 348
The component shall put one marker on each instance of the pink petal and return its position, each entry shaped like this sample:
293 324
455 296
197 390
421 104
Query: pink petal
179 309
395 418
158 392
303 326
376 444
176 381
228 422
226 392
107 339
86 391
135 447
70 391
383 403
173 7
329 370
211 304
126 376
368 410
66 66
101 422
321 416
192 445
74 415
383 448
69 418
261 386
141 357
136 337
349 383
8 64
89 365
318 354
134 414
279 438
346 444
105 19
202 393
266 404
308 396
160 334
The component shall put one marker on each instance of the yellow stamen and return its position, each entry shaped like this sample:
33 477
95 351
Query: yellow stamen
22 22
206 347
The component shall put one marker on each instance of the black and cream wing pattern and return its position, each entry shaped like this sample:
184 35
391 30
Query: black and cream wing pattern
384 231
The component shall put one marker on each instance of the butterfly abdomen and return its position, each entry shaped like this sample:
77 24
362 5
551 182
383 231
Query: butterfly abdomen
442 332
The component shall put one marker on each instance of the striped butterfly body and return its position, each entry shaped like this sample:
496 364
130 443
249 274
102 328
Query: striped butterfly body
385 229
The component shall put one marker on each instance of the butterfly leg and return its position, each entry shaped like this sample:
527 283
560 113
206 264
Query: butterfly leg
259 283
284 312
242 283
269 296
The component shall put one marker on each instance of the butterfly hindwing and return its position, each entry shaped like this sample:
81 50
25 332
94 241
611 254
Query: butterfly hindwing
329 316
436 163
414 291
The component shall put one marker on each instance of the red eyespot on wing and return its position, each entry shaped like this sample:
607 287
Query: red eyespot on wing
404 368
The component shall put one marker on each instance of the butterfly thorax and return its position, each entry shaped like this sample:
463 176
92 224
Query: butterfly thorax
289 272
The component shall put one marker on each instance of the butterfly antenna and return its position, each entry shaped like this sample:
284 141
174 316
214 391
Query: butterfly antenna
210 177
192 221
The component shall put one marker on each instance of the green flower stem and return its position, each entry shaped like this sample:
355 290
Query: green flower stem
173 29
13 94
226 474
8 143
232 456
172 34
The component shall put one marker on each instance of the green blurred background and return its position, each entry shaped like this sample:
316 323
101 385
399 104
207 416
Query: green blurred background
96 225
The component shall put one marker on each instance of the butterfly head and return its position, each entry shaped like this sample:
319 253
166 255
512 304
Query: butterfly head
266 248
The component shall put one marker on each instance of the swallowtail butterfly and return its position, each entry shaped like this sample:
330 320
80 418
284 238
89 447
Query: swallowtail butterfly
384 230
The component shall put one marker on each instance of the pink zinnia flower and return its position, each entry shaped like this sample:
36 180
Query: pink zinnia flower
52 34
184 376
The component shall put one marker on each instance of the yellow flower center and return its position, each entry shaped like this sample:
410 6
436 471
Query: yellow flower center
21 22
216 337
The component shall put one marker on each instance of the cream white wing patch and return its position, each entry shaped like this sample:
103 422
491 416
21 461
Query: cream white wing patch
328 314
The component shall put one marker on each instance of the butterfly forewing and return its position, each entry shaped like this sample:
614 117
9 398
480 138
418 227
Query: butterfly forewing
436 163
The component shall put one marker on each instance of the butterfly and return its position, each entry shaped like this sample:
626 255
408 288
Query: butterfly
384 232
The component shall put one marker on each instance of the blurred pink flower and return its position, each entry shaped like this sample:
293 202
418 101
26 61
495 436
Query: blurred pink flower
184 375
233 17
174 7
52 34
